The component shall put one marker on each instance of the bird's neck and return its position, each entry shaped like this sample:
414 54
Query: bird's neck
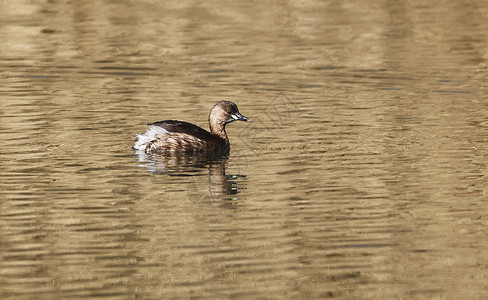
218 129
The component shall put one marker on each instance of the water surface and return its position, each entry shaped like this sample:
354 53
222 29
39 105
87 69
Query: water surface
362 175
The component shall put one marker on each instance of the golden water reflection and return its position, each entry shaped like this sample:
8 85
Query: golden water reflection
362 175
215 186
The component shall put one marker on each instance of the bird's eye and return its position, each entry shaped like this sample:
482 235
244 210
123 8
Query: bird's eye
229 112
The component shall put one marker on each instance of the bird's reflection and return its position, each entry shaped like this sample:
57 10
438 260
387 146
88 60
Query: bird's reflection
216 185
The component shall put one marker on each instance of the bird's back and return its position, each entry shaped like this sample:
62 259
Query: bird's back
180 136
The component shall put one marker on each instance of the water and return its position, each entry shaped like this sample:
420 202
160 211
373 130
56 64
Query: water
362 175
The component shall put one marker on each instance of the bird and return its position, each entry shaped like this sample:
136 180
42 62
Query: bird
169 136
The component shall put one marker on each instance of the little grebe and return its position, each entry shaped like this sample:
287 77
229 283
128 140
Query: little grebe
178 136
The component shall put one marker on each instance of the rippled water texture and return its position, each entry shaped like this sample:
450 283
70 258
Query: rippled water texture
362 175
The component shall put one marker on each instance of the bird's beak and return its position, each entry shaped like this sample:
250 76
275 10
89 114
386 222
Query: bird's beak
239 117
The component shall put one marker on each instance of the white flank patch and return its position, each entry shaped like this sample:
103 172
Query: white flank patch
148 136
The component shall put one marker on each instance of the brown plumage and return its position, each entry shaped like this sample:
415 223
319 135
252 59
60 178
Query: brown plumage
171 135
